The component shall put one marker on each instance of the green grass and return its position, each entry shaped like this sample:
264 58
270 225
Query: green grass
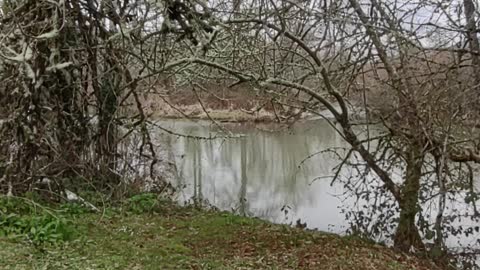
172 237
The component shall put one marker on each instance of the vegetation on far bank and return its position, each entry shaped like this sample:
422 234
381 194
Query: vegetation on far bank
147 233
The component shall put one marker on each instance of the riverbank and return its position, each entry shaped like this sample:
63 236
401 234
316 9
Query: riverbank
222 104
166 236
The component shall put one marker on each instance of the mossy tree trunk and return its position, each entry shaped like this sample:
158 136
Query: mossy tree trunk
407 234
107 109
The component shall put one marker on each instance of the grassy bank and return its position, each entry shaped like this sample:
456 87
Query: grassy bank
170 237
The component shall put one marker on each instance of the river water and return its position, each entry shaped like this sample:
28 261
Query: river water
271 172
277 173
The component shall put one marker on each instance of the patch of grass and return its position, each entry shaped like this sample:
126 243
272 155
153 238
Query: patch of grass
172 237
27 220
142 203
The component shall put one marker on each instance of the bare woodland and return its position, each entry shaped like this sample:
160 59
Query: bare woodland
74 74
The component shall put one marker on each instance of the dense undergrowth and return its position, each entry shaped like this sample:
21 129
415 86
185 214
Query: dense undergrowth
27 220
145 232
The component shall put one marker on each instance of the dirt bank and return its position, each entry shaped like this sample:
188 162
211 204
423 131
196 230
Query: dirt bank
222 104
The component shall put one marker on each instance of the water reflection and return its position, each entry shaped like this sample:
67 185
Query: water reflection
263 171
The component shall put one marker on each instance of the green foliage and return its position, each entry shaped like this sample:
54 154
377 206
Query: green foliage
74 209
21 218
190 238
142 203
15 205
38 229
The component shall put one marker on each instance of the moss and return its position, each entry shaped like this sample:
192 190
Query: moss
186 238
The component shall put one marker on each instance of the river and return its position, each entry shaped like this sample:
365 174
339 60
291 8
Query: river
272 172
276 173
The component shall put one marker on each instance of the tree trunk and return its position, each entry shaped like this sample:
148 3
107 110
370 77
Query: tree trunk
473 42
407 235
107 144
243 187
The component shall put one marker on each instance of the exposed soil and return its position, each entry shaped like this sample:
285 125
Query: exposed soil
222 104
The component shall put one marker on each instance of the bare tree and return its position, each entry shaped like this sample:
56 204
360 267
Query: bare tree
343 51
393 59
67 83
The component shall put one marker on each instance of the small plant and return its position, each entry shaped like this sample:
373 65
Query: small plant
74 209
37 229
20 218
15 205
142 203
